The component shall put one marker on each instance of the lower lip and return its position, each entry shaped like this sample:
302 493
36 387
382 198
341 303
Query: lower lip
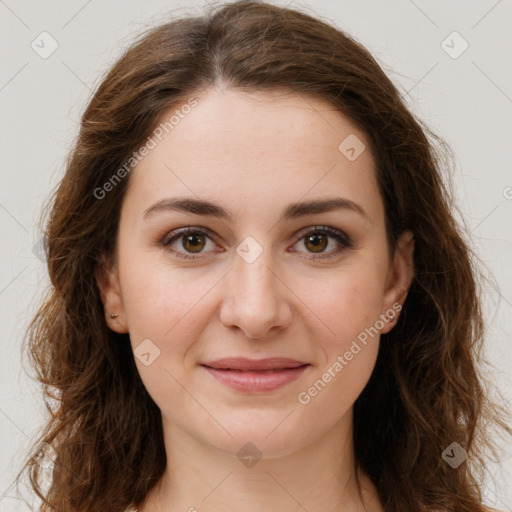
253 382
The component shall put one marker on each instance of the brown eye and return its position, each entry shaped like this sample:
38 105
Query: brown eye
189 242
316 242
193 242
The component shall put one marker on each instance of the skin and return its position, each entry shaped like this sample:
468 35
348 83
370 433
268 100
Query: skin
254 154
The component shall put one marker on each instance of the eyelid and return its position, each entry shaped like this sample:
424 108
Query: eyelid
335 233
176 233
339 235
181 232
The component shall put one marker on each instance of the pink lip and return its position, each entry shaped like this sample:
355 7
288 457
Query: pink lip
242 363
255 375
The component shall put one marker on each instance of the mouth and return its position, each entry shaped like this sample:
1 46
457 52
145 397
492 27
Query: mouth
252 376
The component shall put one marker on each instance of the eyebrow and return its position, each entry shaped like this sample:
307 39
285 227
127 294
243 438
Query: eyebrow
292 211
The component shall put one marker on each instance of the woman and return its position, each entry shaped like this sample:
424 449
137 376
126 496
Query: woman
260 298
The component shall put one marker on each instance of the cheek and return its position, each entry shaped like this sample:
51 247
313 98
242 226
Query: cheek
330 393
158 297
351 349
345 304
166 312
162 309
348 307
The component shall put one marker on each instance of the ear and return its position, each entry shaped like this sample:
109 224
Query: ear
399 280
107 280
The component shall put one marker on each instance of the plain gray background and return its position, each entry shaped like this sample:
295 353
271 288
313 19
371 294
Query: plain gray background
465 96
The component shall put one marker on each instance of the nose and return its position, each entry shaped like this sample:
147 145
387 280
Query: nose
256 300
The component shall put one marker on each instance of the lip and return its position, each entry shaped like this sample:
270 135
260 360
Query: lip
252 376
244 364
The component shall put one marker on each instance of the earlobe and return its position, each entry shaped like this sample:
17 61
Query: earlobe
107 280
400 278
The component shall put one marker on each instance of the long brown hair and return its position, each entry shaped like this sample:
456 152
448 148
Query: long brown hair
427 389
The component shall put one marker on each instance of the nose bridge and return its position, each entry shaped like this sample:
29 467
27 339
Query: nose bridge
254 301
255 279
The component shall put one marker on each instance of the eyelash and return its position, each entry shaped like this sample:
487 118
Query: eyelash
339 236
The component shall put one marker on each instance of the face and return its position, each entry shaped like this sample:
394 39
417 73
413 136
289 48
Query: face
269 271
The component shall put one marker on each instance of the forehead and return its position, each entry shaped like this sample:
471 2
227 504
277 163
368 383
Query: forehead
255 150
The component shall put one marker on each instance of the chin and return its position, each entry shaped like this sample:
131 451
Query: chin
272 439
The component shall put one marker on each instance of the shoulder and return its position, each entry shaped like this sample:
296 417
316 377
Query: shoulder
489 509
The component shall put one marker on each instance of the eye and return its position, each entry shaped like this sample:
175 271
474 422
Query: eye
193 241
190 242
316 240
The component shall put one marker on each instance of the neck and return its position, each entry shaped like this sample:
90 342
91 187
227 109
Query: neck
315 477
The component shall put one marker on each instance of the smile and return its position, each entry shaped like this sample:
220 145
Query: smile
253 381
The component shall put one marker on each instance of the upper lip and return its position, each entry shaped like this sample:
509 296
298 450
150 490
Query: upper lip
244 364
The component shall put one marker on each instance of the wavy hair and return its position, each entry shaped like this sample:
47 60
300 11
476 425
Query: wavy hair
428 387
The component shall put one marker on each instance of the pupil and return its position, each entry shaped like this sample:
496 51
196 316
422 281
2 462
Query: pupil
317 245
192 240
